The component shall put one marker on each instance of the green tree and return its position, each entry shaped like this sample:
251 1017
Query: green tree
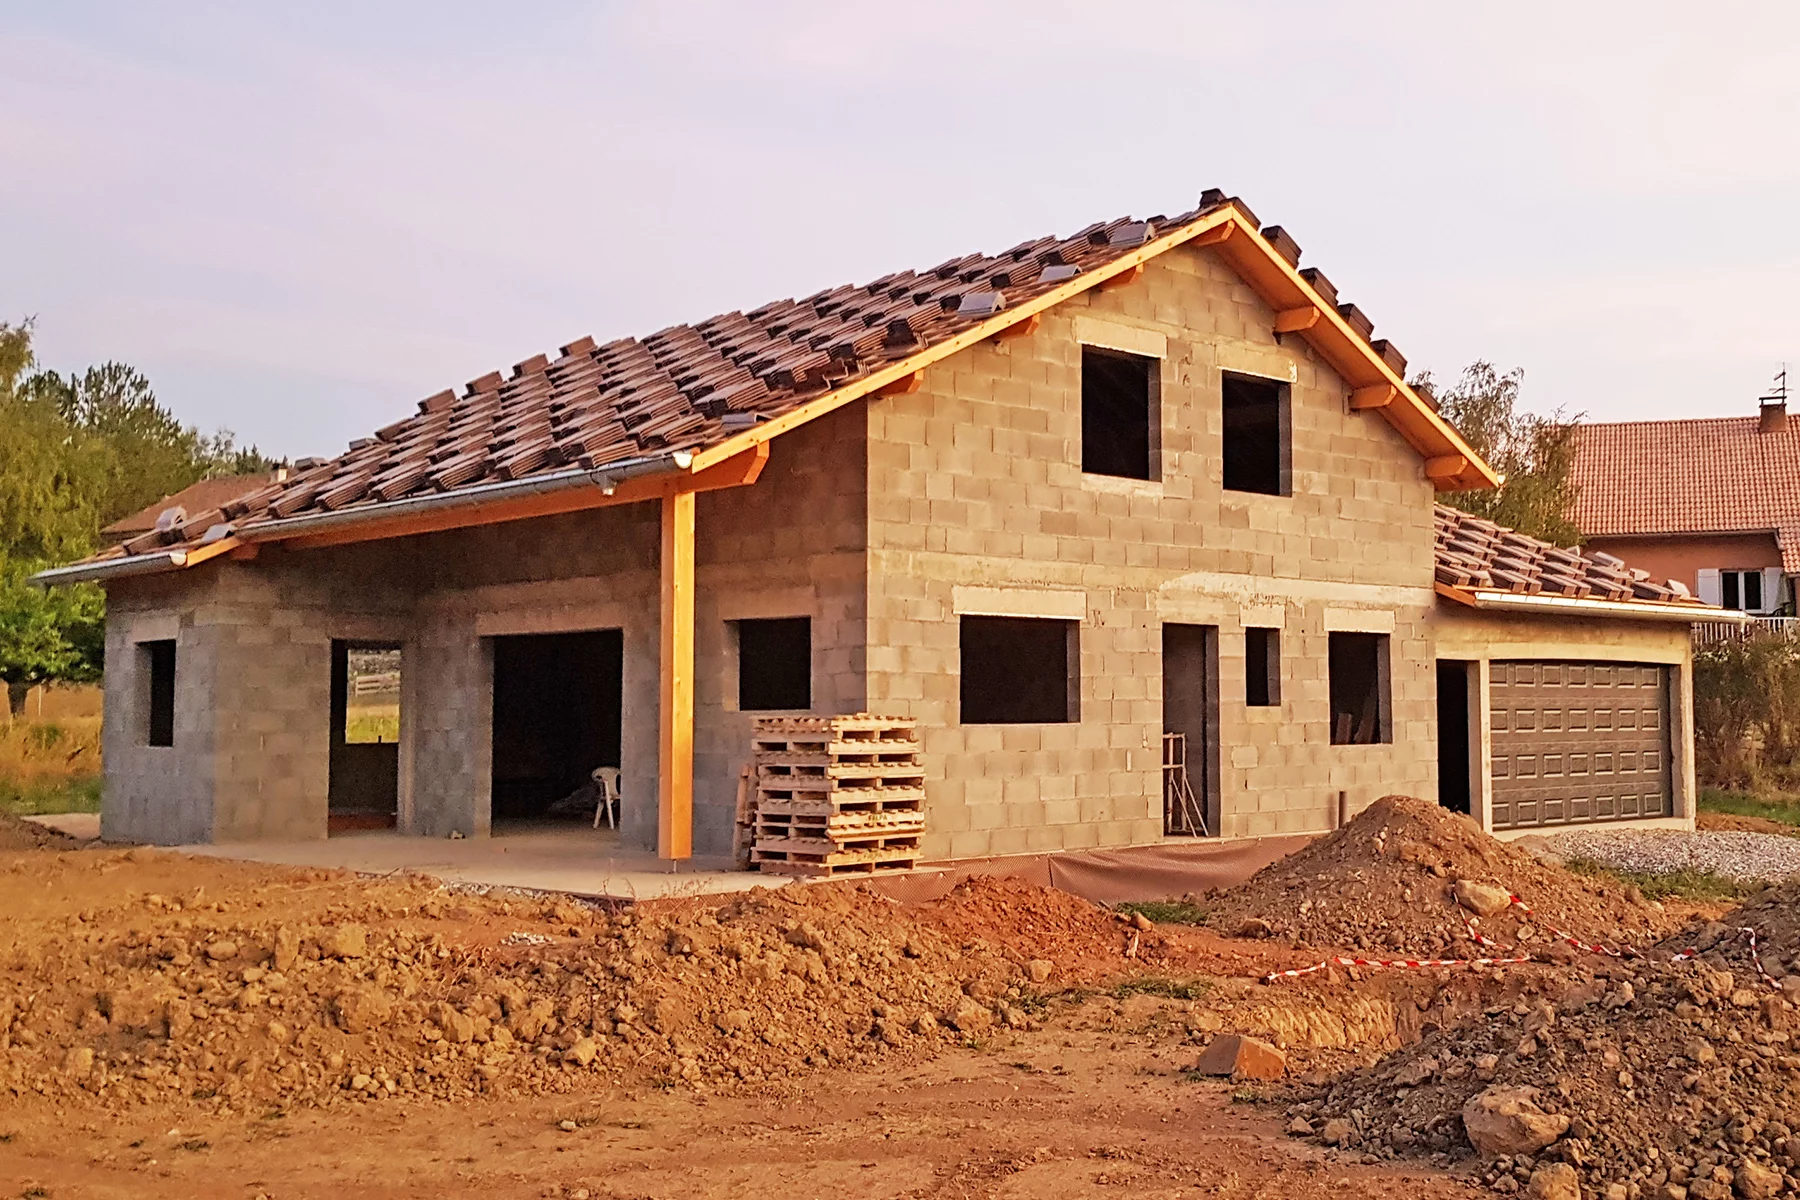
47 634
1535 454
76 452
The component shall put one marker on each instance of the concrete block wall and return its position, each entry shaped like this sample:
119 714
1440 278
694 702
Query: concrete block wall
789 545
975 481
250 760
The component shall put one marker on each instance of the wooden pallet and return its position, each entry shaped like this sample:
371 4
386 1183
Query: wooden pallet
836 795
841 828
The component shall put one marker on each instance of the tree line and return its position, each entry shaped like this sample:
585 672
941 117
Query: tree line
78 451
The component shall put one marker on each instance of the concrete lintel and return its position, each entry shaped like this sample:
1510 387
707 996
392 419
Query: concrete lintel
1019 602
1359 620
1111 335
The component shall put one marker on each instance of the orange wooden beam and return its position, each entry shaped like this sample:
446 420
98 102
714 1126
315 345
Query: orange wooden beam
675 712
1127 276
1293 320
742 468
1378 395
904 385
1446 467
1024 328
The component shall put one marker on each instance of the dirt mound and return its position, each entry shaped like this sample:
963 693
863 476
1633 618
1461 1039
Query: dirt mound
1664 1073
1018 921
1774 914
1384 883
314 988
16 833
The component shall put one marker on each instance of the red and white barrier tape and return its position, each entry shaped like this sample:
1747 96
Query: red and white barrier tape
1743 931
1481 939
1392 963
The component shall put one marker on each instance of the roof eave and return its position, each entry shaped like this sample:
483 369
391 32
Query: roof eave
1489 600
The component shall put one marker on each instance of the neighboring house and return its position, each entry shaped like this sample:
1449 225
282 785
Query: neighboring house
1713 503
1069 507
206 495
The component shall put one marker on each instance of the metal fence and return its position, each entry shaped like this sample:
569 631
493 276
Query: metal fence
1714 633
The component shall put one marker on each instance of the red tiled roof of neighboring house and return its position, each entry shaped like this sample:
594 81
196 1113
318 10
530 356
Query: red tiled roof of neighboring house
199 497
700 387
1474 554
1712 475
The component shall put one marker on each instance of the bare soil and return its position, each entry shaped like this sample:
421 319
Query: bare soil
173 1026
1383 883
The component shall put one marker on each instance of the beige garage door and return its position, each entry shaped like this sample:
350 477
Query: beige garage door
1580 741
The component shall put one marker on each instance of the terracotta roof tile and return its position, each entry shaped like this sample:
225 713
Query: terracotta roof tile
1474 553
1713 475
597 404
196 498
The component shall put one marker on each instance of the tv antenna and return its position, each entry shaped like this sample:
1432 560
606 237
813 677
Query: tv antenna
1778 391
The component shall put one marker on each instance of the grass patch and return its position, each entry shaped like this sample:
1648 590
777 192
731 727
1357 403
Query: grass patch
1157 985
1782 808
1685 884
1166 912
50 766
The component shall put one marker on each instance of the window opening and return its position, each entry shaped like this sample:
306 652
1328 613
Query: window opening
1256 452
1019 670
775 664
1262 668
1118 413
1359 689
157 662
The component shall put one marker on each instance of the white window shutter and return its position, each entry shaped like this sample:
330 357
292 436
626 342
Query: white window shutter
1710 592
1771 589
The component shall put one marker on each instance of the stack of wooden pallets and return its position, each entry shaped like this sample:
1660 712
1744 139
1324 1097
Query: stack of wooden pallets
837 795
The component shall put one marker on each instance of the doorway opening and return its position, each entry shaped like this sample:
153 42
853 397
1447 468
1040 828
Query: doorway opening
1453 735
558 729
1190 730
363 791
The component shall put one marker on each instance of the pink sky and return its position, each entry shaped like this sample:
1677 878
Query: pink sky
299 223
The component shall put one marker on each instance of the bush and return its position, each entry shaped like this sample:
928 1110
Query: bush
1747 712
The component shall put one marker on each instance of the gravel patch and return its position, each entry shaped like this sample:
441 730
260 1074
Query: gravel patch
1730 853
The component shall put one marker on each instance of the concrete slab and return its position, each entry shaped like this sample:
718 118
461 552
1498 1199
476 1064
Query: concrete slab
567 859
85 826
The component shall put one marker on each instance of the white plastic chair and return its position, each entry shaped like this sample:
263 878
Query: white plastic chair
606 782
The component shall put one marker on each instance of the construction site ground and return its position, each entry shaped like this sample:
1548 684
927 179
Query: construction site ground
173 1026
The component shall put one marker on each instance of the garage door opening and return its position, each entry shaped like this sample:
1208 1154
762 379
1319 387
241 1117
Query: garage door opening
557 720
1453 735
1577 741
363 788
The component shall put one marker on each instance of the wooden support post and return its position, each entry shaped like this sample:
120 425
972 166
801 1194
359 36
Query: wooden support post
675 724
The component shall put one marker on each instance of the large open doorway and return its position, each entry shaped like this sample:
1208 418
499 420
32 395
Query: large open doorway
364 783
557 721
1190 730
1453 735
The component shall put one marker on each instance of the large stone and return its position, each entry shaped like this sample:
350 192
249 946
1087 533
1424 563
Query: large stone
1753 1181
346 941
1507 1120
970 1016
1554 1181
1241 1058
359 1010
1482 899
